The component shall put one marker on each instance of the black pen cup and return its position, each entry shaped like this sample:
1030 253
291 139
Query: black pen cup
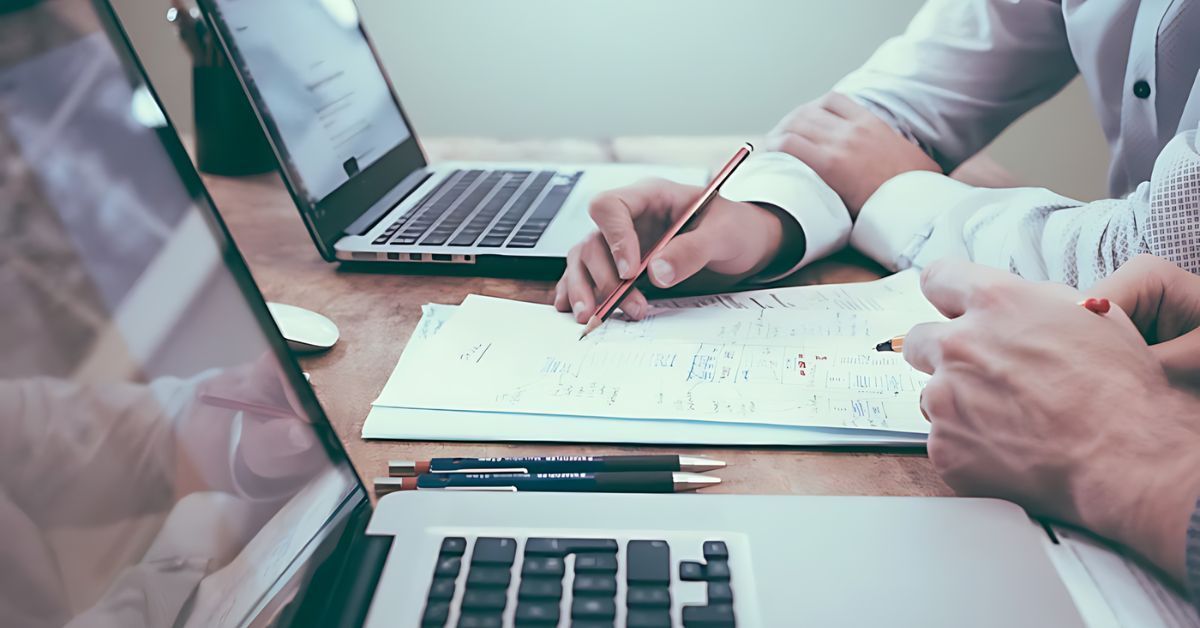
229 140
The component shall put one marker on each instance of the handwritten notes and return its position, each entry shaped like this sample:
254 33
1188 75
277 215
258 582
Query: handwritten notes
794 357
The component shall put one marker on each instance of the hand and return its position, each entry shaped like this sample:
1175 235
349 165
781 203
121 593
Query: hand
730 241
1164 302
849 147
1068 413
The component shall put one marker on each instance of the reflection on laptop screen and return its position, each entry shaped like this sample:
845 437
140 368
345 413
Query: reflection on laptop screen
319 83
157 467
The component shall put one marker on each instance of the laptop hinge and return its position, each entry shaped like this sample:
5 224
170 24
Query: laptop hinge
394 197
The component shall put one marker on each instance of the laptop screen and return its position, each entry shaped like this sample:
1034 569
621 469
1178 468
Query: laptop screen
162 462
325 103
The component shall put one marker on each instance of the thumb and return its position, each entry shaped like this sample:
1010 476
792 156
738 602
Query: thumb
685 255
1180 357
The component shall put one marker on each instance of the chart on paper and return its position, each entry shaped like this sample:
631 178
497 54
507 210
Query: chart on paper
780 365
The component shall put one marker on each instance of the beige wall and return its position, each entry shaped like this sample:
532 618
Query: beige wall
597 68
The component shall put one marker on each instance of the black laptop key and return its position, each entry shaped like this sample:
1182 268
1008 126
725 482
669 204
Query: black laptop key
593 608
690 571
562 547
648 562
648 597
716 550
596 563
519 242
586 584
482 576
545 566
531 613
454 546
436 614
592 623
533 588
493 241
720 593
648 618
447 567
711 616
480 620
441 589
492 551
485 599
716 570
404 240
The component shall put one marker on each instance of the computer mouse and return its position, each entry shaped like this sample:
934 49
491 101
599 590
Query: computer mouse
304 330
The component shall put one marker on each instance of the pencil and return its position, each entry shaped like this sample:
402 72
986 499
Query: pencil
1098 306
609 305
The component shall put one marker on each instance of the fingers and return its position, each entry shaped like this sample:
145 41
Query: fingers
843 106
579 289
923 346
685 255
952 285
1162 299
1180 357
615 212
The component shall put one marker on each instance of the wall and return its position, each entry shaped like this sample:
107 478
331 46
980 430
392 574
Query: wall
598 68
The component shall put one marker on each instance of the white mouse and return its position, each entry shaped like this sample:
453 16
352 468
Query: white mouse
304 330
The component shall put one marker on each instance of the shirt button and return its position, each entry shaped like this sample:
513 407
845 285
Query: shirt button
1141 89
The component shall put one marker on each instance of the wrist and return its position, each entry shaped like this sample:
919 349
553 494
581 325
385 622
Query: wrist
786 241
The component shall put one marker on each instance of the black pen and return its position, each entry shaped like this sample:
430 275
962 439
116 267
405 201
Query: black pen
637 482
555 464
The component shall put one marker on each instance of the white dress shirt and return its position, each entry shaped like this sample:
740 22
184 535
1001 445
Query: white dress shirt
966 69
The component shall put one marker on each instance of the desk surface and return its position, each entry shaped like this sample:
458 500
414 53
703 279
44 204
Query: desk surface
377 312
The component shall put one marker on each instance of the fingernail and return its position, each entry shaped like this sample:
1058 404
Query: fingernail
577 307
633 309
662 271
623 268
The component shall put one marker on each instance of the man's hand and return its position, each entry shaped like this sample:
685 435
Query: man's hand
849 147
1164 302
1068 413
730 241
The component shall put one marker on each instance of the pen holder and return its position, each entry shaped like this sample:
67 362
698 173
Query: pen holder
229 140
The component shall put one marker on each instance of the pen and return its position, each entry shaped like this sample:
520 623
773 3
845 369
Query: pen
1097 306
555 464
640 482
609 305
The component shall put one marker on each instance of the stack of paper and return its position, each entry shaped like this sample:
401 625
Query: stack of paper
784 366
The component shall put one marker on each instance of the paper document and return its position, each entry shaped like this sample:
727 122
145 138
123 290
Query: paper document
797 357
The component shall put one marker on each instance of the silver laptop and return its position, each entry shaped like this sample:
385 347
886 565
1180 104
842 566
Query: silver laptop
165 463
354 165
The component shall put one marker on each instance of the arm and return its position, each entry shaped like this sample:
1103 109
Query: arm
918 217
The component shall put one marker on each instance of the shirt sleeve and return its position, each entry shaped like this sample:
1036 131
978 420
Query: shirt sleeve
918 217
963 71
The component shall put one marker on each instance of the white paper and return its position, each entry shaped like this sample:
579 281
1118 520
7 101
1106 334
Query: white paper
789 357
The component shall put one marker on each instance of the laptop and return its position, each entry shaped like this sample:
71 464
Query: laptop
164 463
356 170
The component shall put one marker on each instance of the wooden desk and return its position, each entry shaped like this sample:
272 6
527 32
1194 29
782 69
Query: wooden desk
376 312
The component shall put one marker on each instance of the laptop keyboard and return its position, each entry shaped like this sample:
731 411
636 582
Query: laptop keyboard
490 209
539 576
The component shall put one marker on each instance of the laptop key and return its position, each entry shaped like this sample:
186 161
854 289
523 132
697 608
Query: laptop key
447 567
596 563
488 577
595 585
548 566
484 599
646 618
540 588
477 620
536 613
690 571
716 550
648 562
436 614
443 589
593 608
711 616
720 593
562 547
492 551
650 597
454 546
493 241
717 570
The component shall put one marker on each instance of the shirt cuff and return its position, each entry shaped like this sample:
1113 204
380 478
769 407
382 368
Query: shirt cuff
897 221
1192 557
787 183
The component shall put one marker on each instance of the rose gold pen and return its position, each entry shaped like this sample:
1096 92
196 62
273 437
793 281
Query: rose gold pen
609 305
